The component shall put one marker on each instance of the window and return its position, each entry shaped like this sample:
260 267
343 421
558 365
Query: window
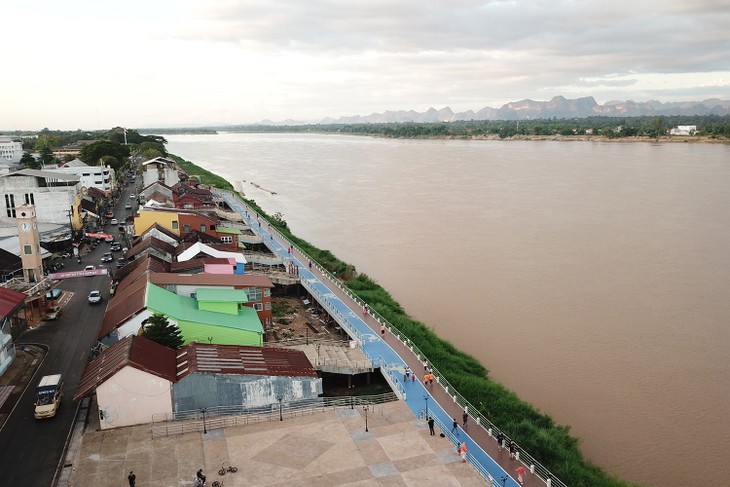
10 205
226 239
27 249
29 200
186 228
258 306
267 292
267 306
202 228
174 224
86 174
253 293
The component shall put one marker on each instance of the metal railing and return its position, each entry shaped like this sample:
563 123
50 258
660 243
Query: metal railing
533 465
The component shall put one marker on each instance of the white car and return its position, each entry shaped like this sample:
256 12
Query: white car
95 297
89 268
114 221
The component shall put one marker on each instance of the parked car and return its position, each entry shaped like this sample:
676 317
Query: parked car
94 297
128 206
115 247
109 239
121 262
132 196
52 312
114 221
107 257
89 268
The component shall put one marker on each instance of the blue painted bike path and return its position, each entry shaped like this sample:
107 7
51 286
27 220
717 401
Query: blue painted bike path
415 392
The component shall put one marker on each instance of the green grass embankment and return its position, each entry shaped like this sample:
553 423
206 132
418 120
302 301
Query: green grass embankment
550 443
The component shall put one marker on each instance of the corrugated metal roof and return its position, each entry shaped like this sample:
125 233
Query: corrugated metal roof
148 261
125 304
9 300
150 242
159 228
235 359
218 295
199 264
134 351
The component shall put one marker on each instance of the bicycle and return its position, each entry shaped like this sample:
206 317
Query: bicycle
224 469
216 483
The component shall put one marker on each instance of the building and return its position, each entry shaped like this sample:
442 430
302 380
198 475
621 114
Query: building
101 177
160 169
138 381
11 303
683 130
11 150
52 194
196 250
211 315
133 380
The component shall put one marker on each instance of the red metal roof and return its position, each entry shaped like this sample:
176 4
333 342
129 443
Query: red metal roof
133 351
125 304
194 264
10 300
235 359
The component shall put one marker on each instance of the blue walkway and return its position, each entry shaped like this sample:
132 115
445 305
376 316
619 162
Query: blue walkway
380 353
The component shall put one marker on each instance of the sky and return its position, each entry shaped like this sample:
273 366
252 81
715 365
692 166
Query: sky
93 65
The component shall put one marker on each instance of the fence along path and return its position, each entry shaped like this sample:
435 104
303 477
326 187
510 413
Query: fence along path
393 352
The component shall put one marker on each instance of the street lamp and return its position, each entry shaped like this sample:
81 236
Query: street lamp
365 408
425 398
279 398
205 430
503 479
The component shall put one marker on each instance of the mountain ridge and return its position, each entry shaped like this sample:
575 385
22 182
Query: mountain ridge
528 109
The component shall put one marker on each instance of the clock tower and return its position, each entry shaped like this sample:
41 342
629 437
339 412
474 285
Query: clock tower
30 247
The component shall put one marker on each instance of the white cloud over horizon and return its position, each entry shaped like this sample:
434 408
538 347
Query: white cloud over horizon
94 65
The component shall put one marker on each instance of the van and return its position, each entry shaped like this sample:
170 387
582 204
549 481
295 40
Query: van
48 396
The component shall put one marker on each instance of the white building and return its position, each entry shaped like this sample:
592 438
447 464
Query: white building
159 169
53 194
10 150
683 130
101 177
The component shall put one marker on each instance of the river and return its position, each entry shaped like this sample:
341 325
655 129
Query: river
590 278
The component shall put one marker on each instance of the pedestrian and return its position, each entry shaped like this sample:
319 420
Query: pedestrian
425 379
512 449
500 440
455 427
413 377
430 426
132 478
364 311
200 476
465 416
382 330
310 263
430 378
408 374
462 450
425 365
520 473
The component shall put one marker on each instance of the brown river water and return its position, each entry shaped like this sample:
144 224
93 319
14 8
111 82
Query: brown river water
590 278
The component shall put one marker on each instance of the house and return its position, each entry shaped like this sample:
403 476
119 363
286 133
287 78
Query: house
159 169
101 177
11 303
683 130
234 376
52 194
160 233
212 315
132 379
138 381
157 191
257 288
154 246
187 252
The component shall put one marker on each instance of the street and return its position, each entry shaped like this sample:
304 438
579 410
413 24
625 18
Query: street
32 448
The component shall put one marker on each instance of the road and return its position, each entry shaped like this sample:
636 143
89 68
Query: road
31 449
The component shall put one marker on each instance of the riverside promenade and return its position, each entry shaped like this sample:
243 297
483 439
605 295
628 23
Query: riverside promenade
393 352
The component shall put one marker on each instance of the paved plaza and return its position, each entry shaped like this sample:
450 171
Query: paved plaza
325 448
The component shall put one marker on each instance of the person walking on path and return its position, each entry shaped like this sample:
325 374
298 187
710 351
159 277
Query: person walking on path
430 378
520 473
512 450
364 311
465 417
425 365
462 451
132 478
500 441
455 427
413 377
430 426
382 329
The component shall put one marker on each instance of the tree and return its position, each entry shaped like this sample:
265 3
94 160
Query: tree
46 155
91 153
158 329
29 161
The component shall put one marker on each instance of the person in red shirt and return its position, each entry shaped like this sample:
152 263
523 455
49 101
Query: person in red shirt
520 473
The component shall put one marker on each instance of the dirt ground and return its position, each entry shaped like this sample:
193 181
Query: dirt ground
297 318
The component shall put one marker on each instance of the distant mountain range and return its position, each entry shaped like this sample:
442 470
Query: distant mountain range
558 107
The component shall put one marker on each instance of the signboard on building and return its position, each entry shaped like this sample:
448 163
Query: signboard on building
66 275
